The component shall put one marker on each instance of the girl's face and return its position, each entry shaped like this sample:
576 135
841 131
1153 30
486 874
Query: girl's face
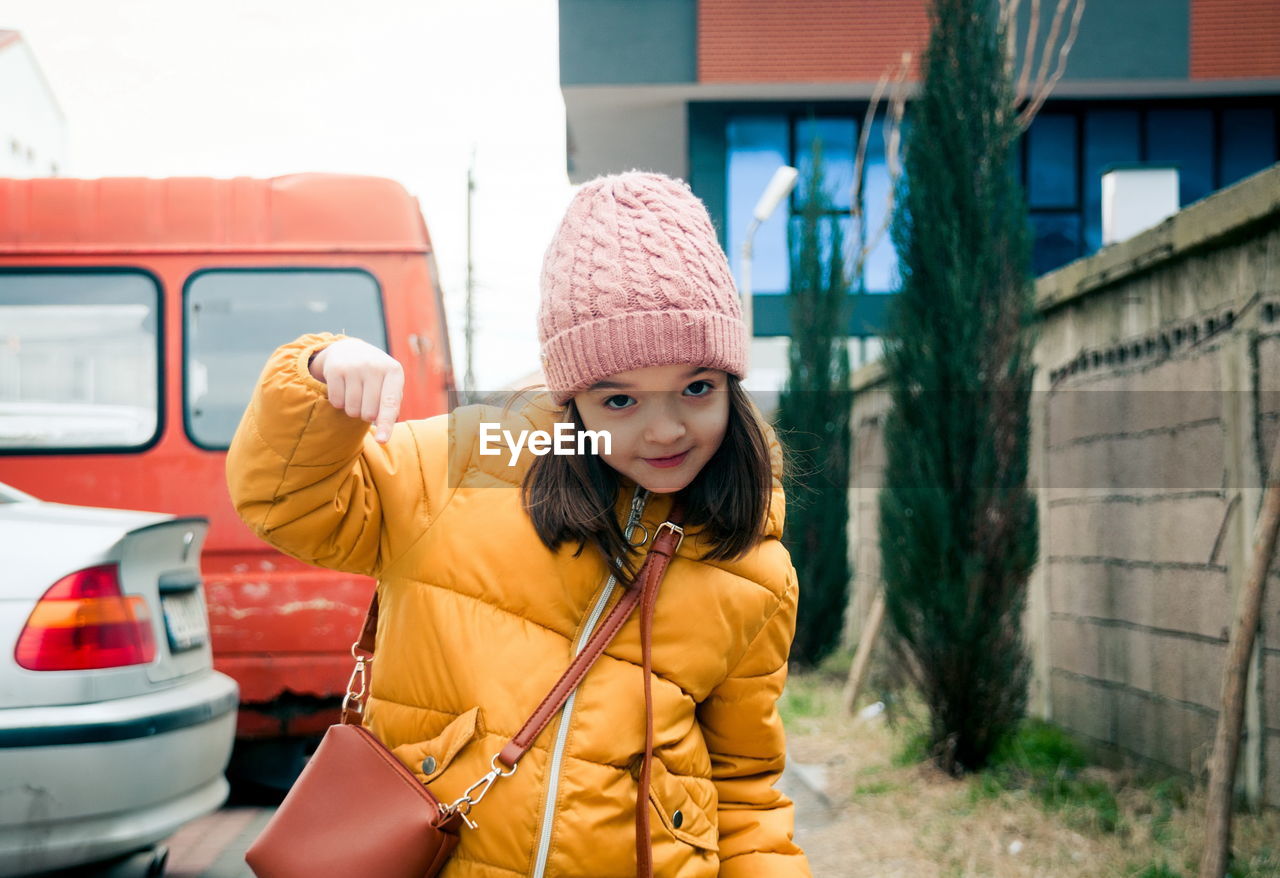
665 422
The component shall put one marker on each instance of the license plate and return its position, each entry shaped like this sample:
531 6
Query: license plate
185 620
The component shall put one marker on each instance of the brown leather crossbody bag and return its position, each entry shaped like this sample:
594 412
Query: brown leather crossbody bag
357 810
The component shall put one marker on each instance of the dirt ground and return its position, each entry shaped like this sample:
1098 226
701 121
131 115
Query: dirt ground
887 817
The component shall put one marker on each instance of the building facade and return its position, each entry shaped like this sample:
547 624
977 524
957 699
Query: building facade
33 130
722 92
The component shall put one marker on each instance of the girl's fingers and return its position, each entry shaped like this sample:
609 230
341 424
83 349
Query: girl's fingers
389 404
364 382
337 389
370 397
354 399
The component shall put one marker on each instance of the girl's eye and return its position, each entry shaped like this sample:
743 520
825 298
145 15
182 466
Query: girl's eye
699 388
618 401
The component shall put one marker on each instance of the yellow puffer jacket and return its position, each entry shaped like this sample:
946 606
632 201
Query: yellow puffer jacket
478 619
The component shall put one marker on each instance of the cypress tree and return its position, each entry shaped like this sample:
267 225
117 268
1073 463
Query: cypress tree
814 411
958 528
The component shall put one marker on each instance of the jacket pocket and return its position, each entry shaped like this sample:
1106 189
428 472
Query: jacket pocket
428 759
679 810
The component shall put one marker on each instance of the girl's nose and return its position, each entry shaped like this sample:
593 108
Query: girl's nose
664 429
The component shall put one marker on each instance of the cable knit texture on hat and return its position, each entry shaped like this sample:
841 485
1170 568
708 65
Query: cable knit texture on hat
635 277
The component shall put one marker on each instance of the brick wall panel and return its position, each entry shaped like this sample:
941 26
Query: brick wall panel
808 40
1234 39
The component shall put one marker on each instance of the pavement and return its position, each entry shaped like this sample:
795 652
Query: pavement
805 784
213 846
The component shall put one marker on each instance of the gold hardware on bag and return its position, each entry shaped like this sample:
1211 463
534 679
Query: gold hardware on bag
352 700
464 803
675 528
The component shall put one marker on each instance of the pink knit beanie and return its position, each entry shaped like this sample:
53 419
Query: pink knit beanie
635 277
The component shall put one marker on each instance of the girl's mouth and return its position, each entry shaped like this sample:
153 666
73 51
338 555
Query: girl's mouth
674 460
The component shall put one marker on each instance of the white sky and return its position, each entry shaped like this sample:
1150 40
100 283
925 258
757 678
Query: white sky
397 88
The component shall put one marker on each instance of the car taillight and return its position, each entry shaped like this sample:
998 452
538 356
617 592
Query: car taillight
85 621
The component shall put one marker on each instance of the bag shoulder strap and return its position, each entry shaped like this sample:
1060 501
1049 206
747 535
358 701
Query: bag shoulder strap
666 540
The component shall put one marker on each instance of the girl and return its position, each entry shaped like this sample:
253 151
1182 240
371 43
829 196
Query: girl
494 568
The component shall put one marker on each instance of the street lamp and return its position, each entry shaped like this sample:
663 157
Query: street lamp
784 180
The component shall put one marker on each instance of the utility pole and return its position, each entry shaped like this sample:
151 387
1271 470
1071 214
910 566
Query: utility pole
469 380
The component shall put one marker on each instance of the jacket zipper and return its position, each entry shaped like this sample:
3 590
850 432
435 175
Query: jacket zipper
638 500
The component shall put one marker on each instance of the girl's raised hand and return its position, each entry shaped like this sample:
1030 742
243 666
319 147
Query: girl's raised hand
364 381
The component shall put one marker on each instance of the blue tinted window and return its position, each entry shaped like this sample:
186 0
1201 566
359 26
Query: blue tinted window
1110 136
1248 142
757 147
838 138
1057 240
880 271
1016 163
824 235
1051 150
1184 137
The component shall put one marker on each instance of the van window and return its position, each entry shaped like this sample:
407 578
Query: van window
235 318
79 360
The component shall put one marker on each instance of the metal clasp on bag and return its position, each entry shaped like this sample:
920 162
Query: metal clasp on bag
353 700
464 803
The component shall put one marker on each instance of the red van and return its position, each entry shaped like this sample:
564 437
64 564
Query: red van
135 317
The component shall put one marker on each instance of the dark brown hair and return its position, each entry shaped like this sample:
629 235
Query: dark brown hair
572 497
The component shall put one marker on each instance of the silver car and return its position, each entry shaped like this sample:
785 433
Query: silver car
114 727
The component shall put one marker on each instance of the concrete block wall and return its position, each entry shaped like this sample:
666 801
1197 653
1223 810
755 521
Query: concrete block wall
1155 408
1266 714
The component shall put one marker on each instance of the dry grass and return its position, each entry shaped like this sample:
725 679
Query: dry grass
893 816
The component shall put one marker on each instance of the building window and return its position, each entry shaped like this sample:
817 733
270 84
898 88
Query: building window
758 144
1051 157
1248 143
1212 147
1110 137
1058 239
1059 162
880 271
236 318
1184 138
838 138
